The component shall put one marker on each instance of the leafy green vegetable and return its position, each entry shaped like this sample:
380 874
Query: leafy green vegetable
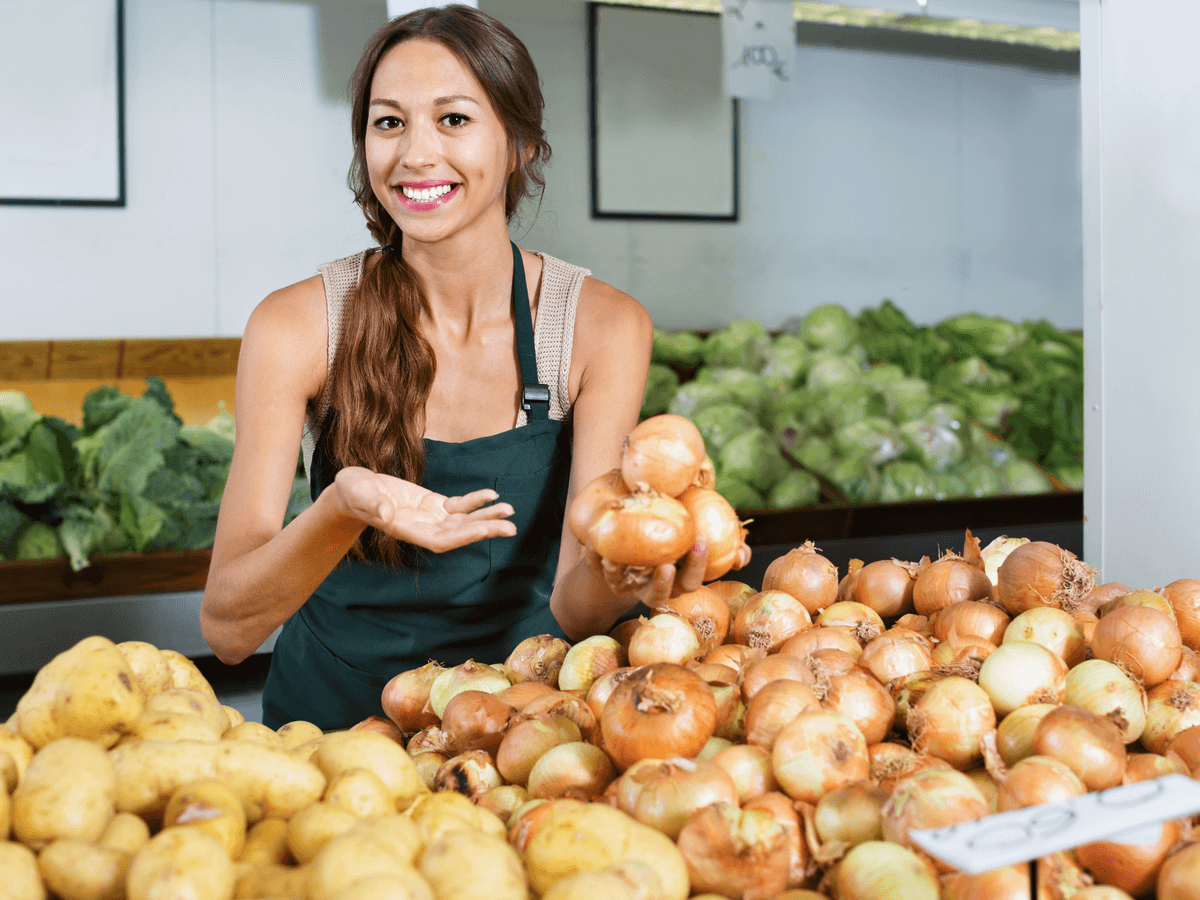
816 454
973 334
677 348
795 488
741 386
980 479
695 396
788 359
720 423
742 344
829 327
856 478
1024 477
902 480
828 369
661 385
871 439
12 520
753 457
38 541
738 493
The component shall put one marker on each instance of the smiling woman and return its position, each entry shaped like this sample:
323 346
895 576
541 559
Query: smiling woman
451 392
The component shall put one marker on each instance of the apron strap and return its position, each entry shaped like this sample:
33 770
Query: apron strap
535 397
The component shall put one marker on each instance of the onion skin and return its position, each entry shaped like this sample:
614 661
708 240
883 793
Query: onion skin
760 673
717 522
862 700
1019 673
811 640
1148 766
1131 867
1185 750
781 808
665 638
734 593
818 751
603 687
664 793
664 452
476 720
406 698
1184 596
706 612
1101 594
1015 734
950 580
470 676
519 695
931 798
596 495
525 742
775 706
851 814
1189 666
1143 641
735 853
1008 883
970 618
1089 744
749 768
575 769
886 586
573 707
645 528
588 660
1104 689
1043 574
1036 780
806 575
538 658
1179 876
859 620
1172 707
768 619
658 712
950 720
736 656
889 657
1054 629
882 870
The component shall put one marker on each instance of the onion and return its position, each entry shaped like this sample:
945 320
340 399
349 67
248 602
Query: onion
430 739
882 870
768 619
527 740
892 762
913 622
476 720
806 575
736 656
734 593
950 720
717 522
520 694
707 476
731 712
1179 876
1032 781
658 712
470 676
970 618
735 853
537 658
1101 594
1142 641
1054 629
1148 766
808 642
1171 707
816 752
406 698
588 660
380 725
828 662
859 620
428 764
576 769
862 700
908 690
1014 735
950 580
1184 597
1189 666
1020 673
749 768
889 657
623 632
1131 867
1138 598
850 814
643 529
995 553
961 656
776 705
503 800
663 793
596 495
714 673
603 687
560 703
987 786
1089 744
759 674
1102 688
781 808
1006 883
1043 574
931 798
472 773
885 586
665 638
663 452
706 612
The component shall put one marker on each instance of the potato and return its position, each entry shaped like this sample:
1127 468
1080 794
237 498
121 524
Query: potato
180 863
314 826
410 886
378 847
191 702
88 691
168 726
125 832
19 875
268 782
5 816
234 715
184 673
266 843
369 750
213 808
8 773
361 792
149 666
271 880
255 732
77 870
306 752
470 864
67 792
19 750
440 814
299 732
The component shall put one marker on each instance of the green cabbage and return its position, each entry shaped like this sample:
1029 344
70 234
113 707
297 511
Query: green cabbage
1024 477
788 359
829 327
738 493
828 369
661 385
871 439
1072 476
695 396
720 423
902 480
795 488
980 479
755 458
743 344
38 541
906 399
856 478
677 348
754 393
845 404
981 335
816 454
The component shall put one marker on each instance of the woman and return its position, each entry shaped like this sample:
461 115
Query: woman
425 380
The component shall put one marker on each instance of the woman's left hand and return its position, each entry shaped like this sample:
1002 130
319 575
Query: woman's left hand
665 581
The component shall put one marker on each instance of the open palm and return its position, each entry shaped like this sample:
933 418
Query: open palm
419 516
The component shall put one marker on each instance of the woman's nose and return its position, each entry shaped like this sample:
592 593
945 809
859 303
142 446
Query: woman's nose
420 147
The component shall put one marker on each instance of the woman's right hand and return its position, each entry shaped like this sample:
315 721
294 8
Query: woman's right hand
415 515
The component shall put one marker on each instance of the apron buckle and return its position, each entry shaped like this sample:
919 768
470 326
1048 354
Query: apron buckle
534 393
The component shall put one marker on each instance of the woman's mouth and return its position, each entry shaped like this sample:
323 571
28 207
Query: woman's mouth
425 198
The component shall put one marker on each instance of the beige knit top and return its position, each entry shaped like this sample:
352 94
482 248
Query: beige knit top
553 332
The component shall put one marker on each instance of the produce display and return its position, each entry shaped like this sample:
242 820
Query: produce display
881 408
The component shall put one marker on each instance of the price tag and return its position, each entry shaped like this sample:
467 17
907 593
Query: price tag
1124 814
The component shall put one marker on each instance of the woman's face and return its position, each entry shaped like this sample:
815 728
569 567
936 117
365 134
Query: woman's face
437 153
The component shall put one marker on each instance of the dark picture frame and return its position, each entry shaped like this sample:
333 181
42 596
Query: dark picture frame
653 106
51 119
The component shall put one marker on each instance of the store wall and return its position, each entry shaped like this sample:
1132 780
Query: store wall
948 186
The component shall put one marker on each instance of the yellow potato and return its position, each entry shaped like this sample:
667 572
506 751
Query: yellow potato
306 752
148 665
360 853
380 754
77 870
299 732
18 749
361 792
271 880
184 673
409 886
440 814
8 773
255 732
211 807
470 864
235 716
67 792
86 692
5 816
19 875
191 702
266 843
180 863
125 832
314 826
170 726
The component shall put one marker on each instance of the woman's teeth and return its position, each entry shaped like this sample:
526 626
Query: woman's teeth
426 193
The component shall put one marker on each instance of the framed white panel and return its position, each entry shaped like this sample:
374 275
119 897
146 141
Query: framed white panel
61 105
663 133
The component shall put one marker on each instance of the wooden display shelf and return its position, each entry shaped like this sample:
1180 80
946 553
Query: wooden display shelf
109 575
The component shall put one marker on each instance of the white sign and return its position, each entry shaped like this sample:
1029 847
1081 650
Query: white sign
1128 814
759 43
397 8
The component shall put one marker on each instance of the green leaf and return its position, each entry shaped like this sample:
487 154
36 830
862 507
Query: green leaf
38 471
140 519
12 520
82 530
156 390
103 405
133 448
168 488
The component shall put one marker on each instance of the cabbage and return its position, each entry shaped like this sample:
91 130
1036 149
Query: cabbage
38 541
720 423
807 407
755 458
901 480
985 336
987 447
845 404
742 387
933 439
870 439
661 385
743 343
695 396
816 454
949 486
972 372
829 327
1024 477
855 478
789 432
739 494
678 348
980 479
796 488
1071 476
789 359
884 374
906 399
991 410
828 369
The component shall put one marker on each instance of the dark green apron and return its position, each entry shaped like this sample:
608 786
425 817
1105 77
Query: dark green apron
369 621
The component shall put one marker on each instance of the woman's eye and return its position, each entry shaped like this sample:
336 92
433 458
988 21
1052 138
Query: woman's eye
454 120
386 123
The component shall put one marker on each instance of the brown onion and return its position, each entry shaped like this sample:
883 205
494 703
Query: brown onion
1090 745
892 762
476 720
526 740
429 739
714 673
1138 598
1148 766
472 773
950 580
1043 574
520 694
749 768
961 656
862 700
406 698
1189 666
380 725
537 658
781 808
736 656
827 662
504 800
776 705
1185 749
908 690
577 769
706 612
596 495
816 752
1032 781
1015 733
428 764
658 712
806 575
1005 883
623 632
735 853
1179 875
1171 707
470 676
768 619
1101 594
931 798
560 703
886 586
889 657
762 672
1020 673
665 638
1131 867
913 622
588 660
987 786
851 814
810 641
1184 596
603 687
1054 629
663 452
970 618
950 720
731 712
855 618
882 870
717 522
1142 641
645 528
663 793
734 593
1106 690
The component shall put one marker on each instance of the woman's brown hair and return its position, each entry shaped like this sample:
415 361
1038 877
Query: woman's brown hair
384 367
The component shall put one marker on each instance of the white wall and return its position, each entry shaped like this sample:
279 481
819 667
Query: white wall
1062 14
945 185
1142 253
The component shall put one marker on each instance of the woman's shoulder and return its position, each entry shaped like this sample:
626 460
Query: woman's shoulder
604 309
